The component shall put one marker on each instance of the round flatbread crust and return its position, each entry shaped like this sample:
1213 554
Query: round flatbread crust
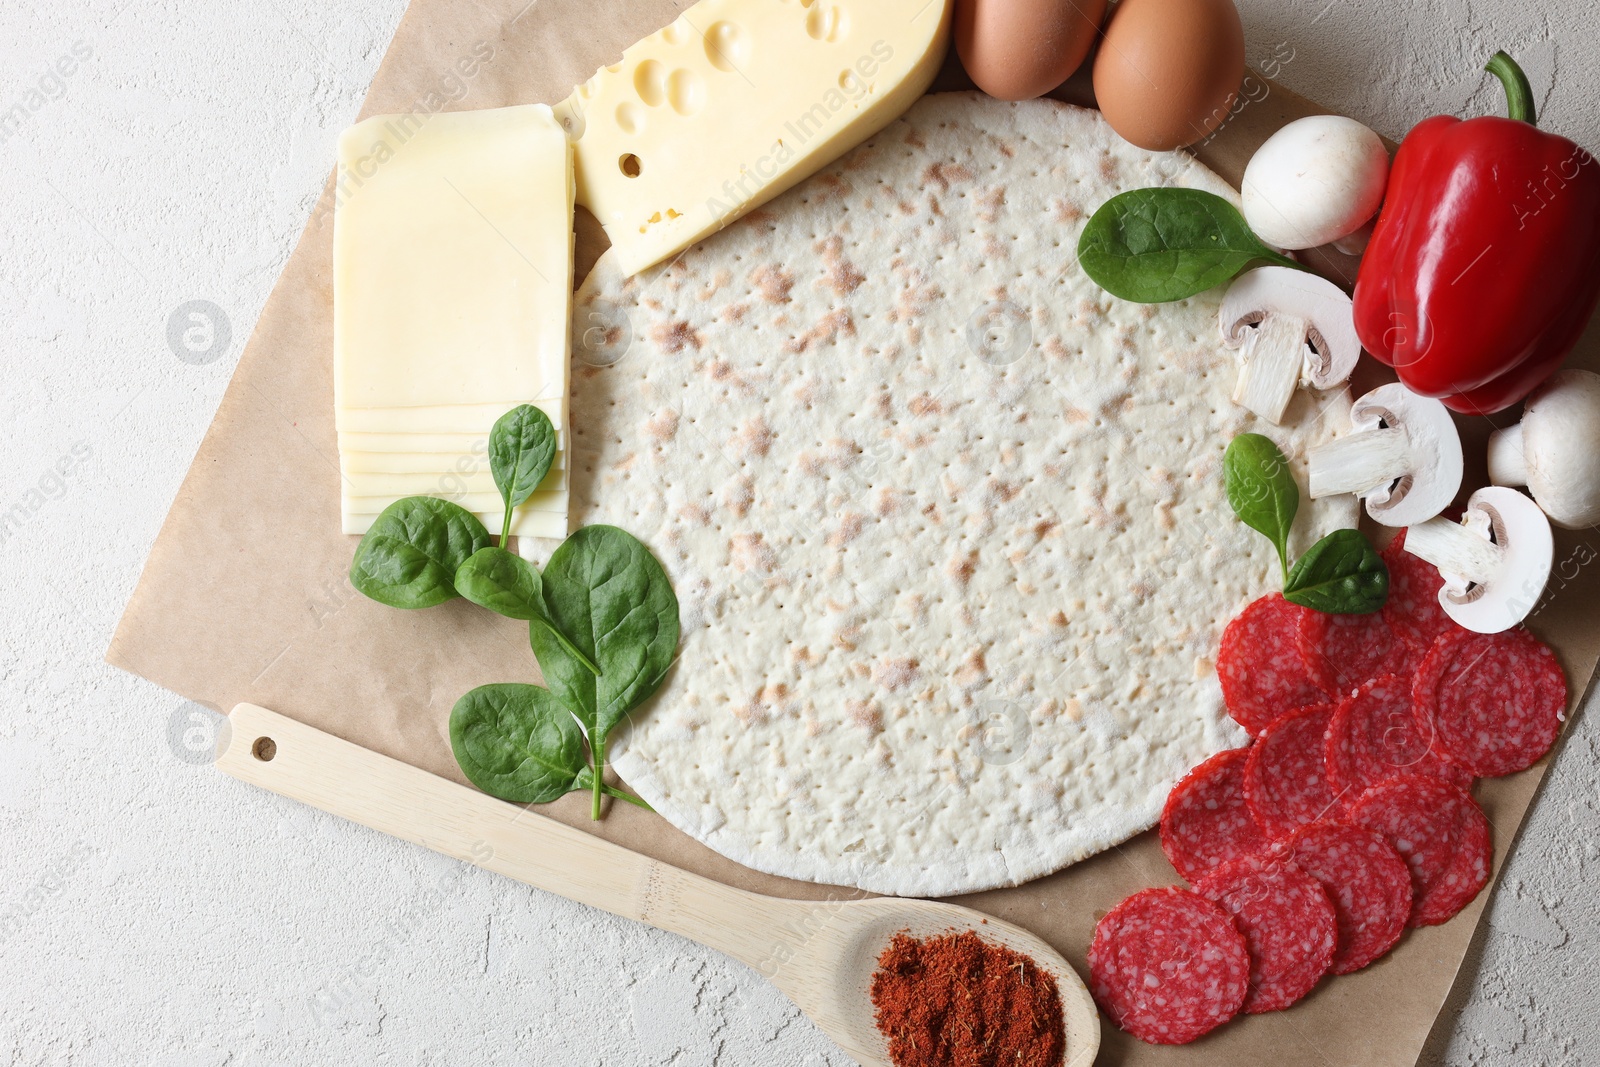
947 521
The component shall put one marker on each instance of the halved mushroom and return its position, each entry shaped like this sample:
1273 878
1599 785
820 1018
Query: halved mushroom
1555 449
1403 457
1495 561
1292 328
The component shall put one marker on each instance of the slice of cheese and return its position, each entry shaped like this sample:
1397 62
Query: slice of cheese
452 260
523 523
478 503
735 102
424 463
461 418
442 483
452 445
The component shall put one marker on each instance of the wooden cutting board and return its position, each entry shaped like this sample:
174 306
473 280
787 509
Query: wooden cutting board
245 599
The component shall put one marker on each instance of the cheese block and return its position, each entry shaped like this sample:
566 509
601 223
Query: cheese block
735 102
423 462
524 523
460 418
452 260
452 300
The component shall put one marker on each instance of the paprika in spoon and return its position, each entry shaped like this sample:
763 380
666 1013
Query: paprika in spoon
1484 265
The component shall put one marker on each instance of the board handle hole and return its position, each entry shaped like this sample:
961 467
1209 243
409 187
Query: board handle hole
264 749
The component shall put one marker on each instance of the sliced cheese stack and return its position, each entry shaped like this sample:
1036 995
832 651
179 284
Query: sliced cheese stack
452 260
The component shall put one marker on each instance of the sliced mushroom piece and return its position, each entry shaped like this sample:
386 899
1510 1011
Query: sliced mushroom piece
1555 449
1495 561
1292 328
1403 458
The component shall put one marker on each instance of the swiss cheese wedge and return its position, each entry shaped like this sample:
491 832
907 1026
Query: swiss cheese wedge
735 102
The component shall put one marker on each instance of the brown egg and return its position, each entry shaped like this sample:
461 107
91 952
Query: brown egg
1020 49
1169 70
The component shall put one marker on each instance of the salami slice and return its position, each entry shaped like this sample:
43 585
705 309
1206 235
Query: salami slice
1495 701
1413 609
1285 781
1375 734
1262 670
1367 881
1346 651
1168 965
1289 926
1205 821
1442 835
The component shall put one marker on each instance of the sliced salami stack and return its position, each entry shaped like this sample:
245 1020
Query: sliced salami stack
1346 820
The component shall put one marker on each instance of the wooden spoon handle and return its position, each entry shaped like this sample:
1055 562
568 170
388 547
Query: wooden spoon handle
305 764
302 763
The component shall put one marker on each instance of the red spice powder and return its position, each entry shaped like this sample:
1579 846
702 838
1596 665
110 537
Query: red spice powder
957 1000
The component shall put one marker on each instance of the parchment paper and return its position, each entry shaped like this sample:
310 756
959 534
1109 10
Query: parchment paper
245 595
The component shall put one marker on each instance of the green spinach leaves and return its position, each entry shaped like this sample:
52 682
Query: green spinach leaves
1342 574
522 446
610 596
508 585
518 743
1261 490
410 556
1156 245
602 622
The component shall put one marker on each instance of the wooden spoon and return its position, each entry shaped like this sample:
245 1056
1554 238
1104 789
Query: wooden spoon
821 954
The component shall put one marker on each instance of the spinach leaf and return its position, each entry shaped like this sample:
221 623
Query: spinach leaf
518 743
503 582
1261 490
607 593
1342 574
1156 245
508 585
409 557
522 446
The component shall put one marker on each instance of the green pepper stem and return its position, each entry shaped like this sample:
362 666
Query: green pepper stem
1519 94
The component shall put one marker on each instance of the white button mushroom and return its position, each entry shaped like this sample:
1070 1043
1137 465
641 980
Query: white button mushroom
1495 561
1403 458
1555 449
1293 328
1315 181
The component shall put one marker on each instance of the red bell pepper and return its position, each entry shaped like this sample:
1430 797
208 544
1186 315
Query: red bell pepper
1484 264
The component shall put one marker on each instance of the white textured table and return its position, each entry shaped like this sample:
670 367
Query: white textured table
155 154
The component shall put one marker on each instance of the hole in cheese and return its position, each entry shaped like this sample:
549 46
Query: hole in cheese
727 46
